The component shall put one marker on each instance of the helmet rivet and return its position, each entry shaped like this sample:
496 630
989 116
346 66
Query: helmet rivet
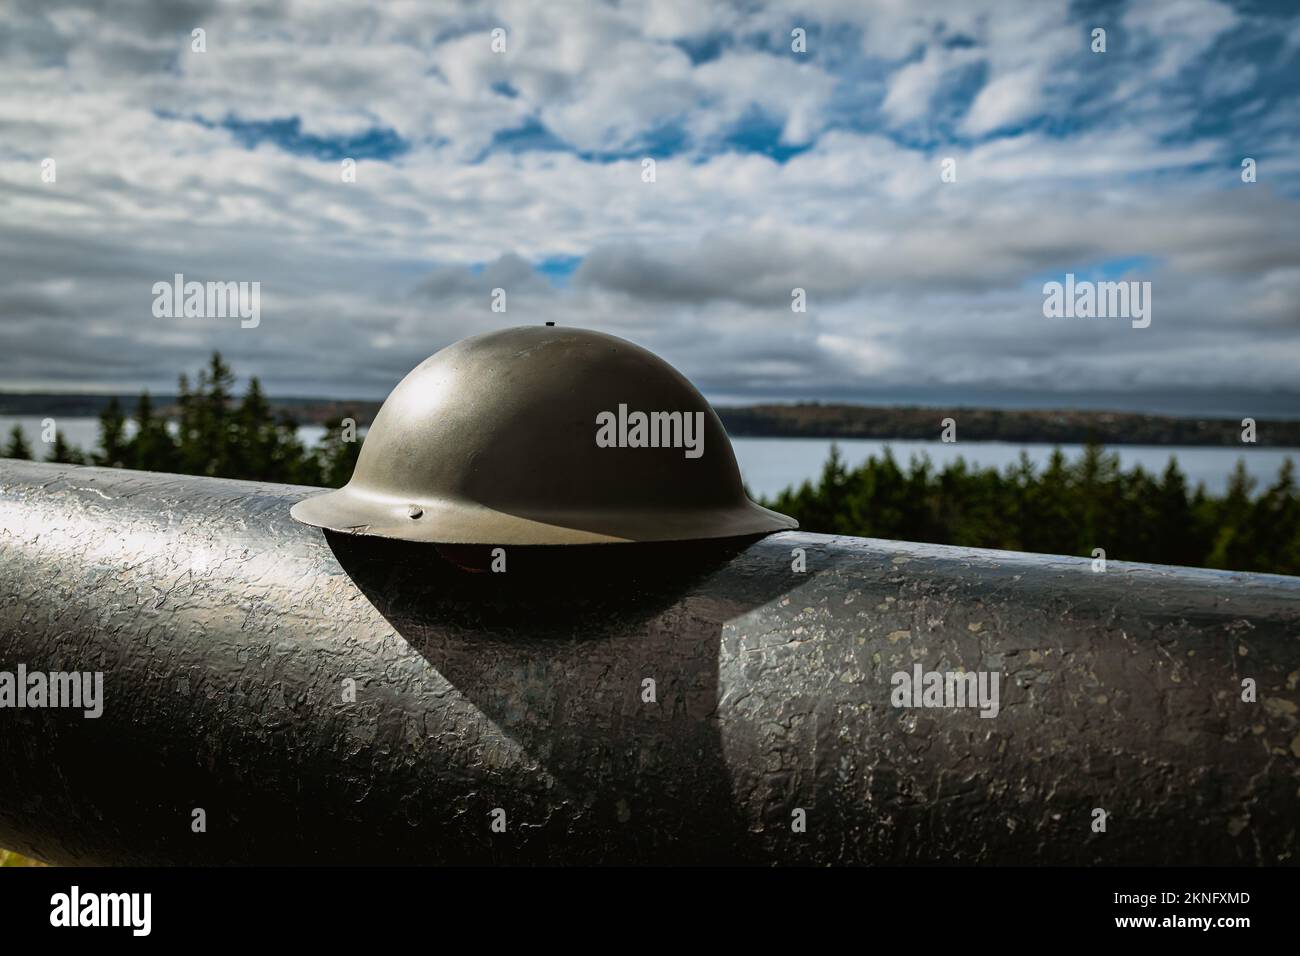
415 511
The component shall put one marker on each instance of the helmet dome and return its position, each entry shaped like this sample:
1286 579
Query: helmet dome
542 436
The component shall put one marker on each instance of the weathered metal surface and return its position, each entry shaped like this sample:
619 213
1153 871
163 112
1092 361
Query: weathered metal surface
226 632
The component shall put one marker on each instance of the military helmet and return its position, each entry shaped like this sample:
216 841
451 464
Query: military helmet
540 436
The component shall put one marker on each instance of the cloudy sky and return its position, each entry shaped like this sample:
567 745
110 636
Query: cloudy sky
773 169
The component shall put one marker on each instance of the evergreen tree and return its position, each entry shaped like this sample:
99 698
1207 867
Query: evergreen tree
191 455
152 448
1274 526
298 464
1051 525
113 452
18 446
1175 531
1231 548
217 428
255 453
1097 501
1017 503
63 453
336 455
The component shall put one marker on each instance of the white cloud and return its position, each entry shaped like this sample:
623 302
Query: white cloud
1008 99
912 87
1178 31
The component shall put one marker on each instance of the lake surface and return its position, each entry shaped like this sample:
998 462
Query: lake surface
770 464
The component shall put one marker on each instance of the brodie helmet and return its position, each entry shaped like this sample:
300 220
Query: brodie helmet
541 436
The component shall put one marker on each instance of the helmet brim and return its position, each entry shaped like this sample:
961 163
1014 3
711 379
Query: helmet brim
456 522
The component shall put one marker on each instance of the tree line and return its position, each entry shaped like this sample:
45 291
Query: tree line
1066 508
215 433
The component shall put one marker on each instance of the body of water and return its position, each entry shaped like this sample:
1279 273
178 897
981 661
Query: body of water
772 464
84 432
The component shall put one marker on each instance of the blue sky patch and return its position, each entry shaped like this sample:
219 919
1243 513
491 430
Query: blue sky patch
558 269
1137 267
287 134
378 142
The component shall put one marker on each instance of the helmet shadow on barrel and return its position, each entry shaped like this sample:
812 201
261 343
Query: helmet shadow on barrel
601 664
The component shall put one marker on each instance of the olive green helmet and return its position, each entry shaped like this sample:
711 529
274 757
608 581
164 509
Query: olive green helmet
541 436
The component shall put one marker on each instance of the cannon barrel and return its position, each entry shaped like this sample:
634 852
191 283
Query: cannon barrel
275 694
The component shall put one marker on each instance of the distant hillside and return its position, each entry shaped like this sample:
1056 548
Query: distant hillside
810 420
305 411
814 420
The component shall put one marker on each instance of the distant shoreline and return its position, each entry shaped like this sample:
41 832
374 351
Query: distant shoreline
1018 427
809 420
